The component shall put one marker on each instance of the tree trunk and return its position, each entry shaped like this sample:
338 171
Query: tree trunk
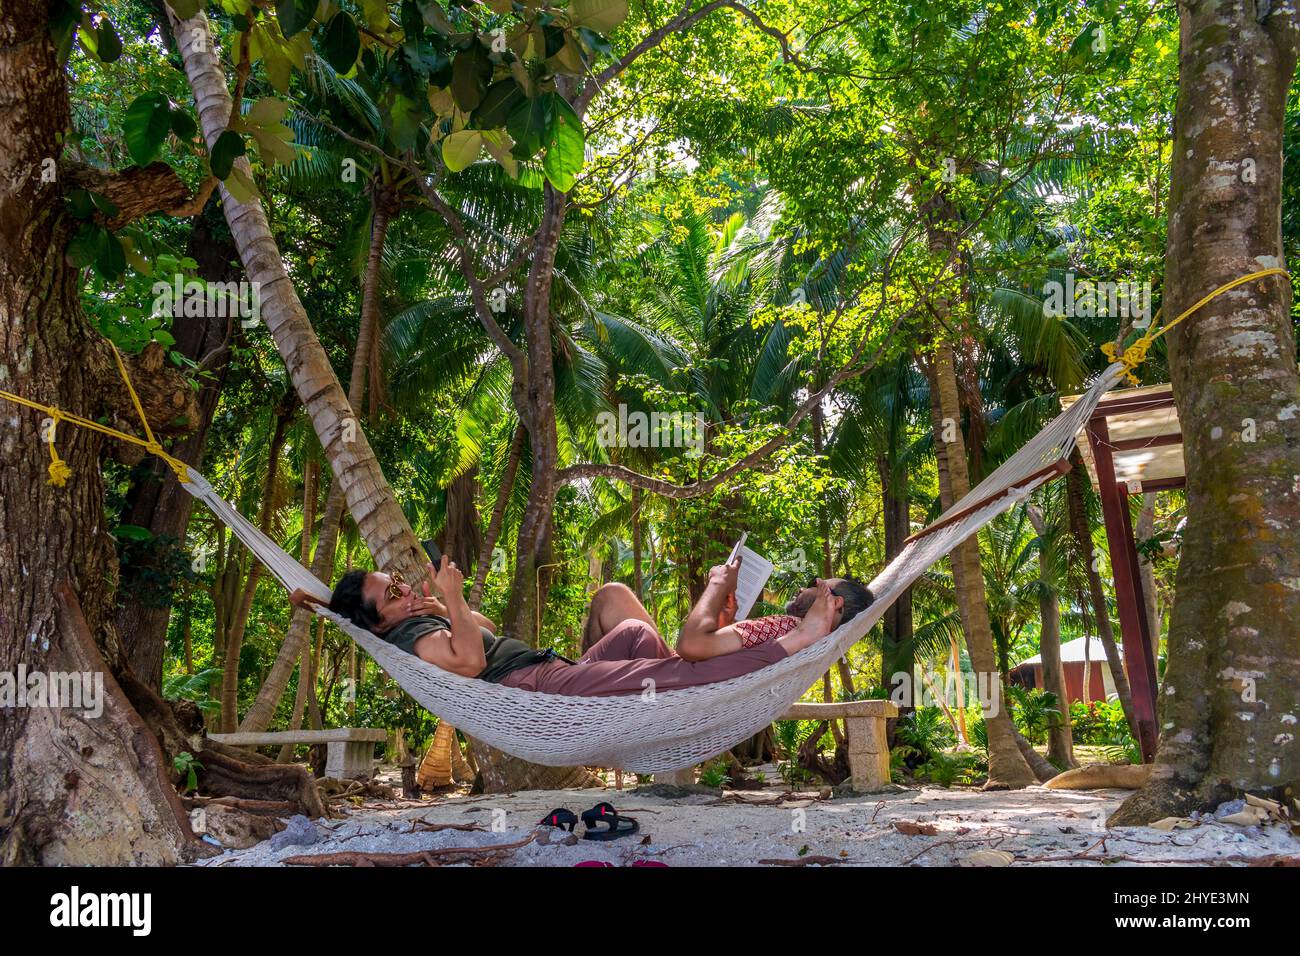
1081 527
1007 766
1146 528
76 788
370 500
1060 738
897 655
260 713
498 516
535 400
156 501
1232 684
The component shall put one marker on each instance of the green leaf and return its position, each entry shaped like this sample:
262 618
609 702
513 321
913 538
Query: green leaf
294 15
566 152
228 146
462 149
84 246
104 204
267 111
132 532
145 126
185 8
599 15
529 124
83 207
109 45
241 186
183 125
110 260
470 73
500 99
342 42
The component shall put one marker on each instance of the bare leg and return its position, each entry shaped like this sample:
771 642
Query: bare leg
610 606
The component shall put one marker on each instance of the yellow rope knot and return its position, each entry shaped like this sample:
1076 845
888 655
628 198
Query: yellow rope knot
1133 356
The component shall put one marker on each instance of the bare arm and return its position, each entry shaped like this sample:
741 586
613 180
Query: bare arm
707 630
460 649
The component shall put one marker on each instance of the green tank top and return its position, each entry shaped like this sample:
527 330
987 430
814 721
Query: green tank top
504 654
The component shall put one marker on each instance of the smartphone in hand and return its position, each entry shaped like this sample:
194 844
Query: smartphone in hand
431 549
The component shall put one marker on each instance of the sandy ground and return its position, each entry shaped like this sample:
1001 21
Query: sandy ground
1036 826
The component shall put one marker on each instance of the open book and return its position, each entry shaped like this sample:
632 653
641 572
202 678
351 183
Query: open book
754 572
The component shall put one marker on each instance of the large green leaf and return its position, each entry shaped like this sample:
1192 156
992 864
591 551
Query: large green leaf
500 99
599 15
145 126
108 46
461 149
229 145
185 8
294 15
342 42
470 73
529 125
565 152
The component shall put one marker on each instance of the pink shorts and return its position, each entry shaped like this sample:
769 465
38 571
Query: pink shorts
632 657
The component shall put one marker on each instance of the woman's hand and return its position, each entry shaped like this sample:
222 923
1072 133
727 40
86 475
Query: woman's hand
449 580
304 599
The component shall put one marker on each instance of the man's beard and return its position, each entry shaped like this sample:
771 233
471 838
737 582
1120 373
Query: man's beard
798 606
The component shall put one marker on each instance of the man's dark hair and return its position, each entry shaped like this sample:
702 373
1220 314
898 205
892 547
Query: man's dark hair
857 597
348 601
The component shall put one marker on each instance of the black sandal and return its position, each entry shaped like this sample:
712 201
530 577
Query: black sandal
559 818
605 813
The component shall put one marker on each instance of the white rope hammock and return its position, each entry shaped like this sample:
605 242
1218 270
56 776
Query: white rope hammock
669 730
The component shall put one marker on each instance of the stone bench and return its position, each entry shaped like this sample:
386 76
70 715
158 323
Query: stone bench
864 726
349 751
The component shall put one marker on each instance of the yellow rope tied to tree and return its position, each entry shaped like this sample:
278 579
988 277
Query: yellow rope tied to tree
59 471
1136 353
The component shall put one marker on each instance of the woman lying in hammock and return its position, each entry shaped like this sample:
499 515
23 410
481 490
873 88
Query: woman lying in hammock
629 654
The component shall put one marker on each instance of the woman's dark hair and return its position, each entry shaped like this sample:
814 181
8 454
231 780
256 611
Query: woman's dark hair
857 597
348 600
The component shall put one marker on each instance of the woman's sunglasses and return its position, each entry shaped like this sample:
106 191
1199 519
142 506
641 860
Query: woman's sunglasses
394 589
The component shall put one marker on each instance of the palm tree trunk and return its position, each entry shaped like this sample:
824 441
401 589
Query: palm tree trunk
370 500
1007 766
259 715
1079 525
1060 737
235 637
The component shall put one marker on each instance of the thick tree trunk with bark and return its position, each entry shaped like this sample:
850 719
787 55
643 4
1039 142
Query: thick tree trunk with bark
897 655
75 787
1231 694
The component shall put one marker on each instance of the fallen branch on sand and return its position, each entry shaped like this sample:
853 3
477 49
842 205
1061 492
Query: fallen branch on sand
478 855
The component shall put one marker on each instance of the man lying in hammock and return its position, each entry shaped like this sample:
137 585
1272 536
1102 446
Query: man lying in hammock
628 654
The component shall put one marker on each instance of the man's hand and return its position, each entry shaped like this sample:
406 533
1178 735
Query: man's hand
821 616
725 575
728 615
